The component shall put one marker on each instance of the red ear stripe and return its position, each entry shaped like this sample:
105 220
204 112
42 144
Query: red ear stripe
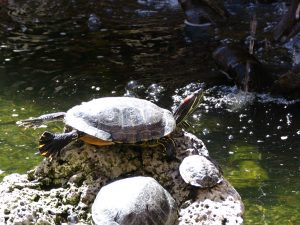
187 106
188 98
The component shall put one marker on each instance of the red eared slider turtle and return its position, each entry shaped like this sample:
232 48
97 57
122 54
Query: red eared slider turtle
110 120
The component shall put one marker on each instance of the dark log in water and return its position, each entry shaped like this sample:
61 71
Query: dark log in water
243 68
204 11
289 25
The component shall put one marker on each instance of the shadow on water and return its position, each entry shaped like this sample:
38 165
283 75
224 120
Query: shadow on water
55 54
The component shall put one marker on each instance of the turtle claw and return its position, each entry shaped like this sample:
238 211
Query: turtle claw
50 144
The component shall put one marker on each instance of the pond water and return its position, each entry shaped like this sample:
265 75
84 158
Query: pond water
56 54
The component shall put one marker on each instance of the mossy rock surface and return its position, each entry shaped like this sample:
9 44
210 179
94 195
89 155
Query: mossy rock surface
67 186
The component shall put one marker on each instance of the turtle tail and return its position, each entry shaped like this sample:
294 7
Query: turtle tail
187 107
38 121
51 144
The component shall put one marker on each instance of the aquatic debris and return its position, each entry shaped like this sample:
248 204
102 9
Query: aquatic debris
289 24
242 68
206 11
94 22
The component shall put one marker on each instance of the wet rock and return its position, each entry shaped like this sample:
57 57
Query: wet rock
68 185
221 206
204 11
137 200
94 22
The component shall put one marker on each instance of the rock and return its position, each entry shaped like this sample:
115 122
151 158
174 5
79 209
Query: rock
135 201
198 171
199 12
67 186
23 203
287 85
94 22
221 206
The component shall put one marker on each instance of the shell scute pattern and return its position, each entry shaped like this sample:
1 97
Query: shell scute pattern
122 119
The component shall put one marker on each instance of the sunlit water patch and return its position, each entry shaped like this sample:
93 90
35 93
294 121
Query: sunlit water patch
17 146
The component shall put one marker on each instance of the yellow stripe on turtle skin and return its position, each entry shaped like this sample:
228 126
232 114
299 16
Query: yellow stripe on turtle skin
164 142
44 154
95 141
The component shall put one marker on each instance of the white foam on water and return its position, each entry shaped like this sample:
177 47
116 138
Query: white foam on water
267 98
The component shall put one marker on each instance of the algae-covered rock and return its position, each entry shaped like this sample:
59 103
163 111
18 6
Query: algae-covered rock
65 188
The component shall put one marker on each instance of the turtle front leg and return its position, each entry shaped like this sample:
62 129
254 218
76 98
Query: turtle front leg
169 147
38 121
51 144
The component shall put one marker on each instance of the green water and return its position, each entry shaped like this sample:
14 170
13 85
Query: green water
259 152
51 60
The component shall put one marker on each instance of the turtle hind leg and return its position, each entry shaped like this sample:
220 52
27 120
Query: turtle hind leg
51 144
38 121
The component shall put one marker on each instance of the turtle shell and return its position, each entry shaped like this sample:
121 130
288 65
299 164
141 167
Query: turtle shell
121 119
199 171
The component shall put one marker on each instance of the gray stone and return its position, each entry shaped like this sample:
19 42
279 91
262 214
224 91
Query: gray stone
137 200
218 205
198 171
68 185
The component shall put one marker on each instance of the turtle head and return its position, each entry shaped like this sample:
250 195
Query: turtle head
188 106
